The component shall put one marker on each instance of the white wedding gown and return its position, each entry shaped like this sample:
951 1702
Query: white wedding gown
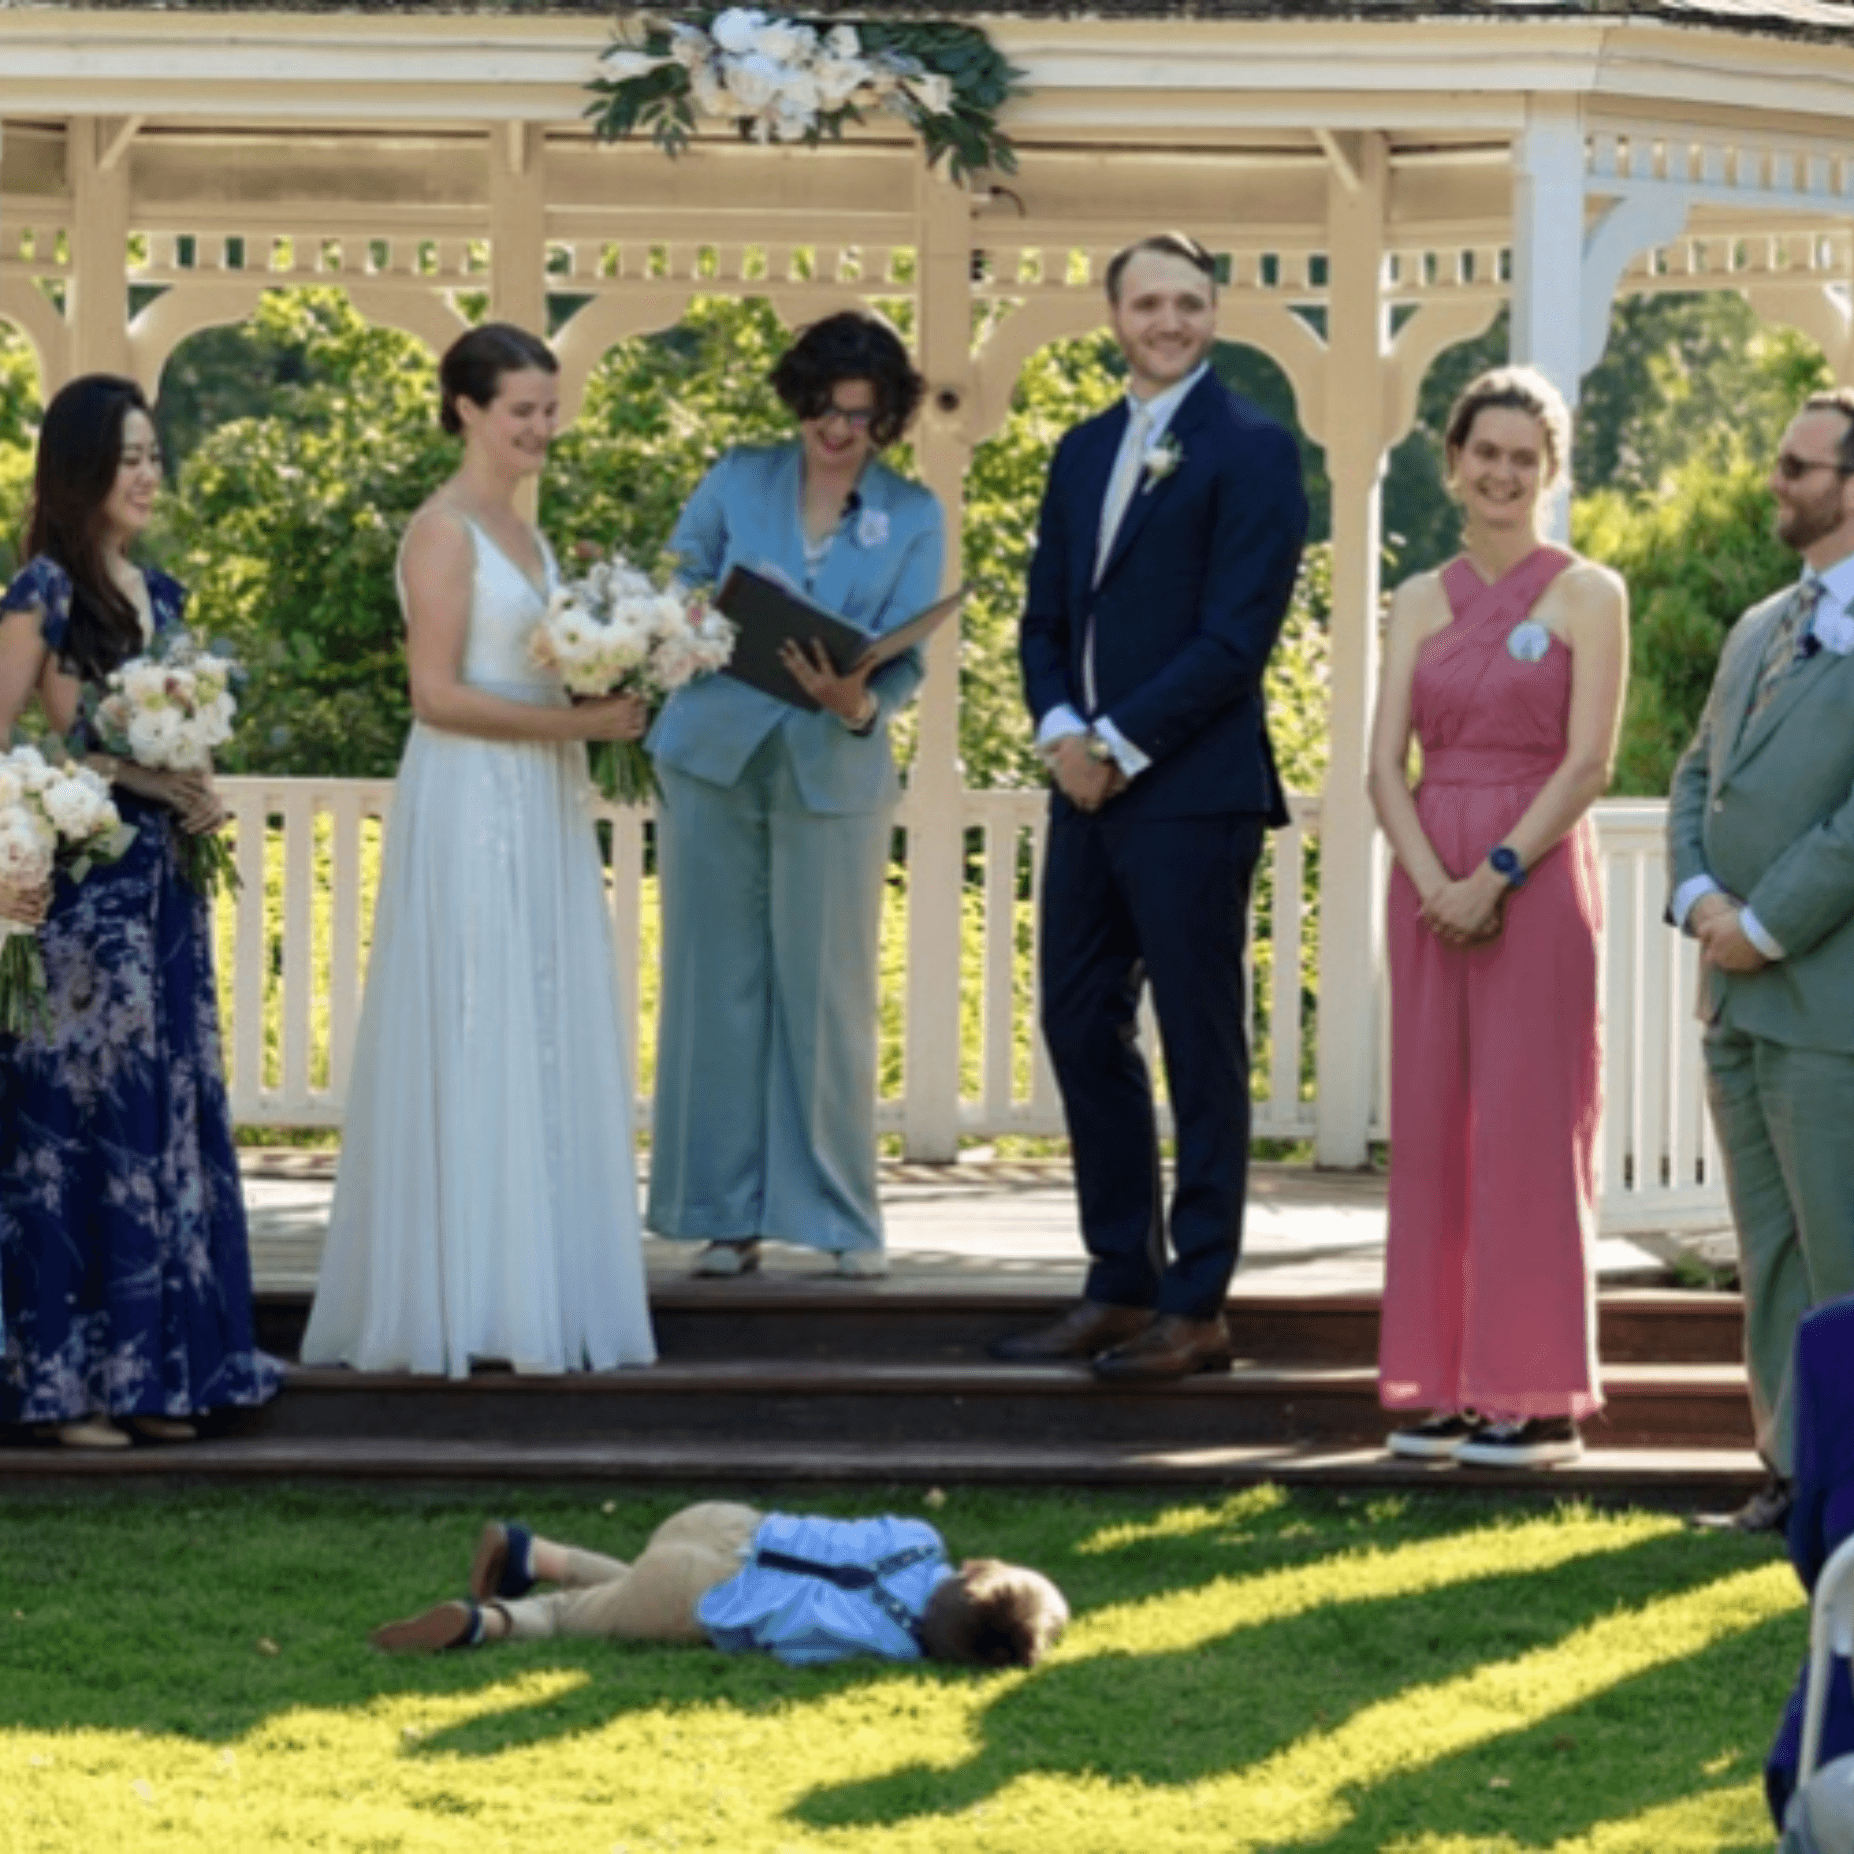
486 1204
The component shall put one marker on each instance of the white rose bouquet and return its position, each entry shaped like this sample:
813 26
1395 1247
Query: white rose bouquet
617 632
167 711
51 817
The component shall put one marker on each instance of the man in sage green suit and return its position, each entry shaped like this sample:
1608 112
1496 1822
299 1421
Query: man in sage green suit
1760 836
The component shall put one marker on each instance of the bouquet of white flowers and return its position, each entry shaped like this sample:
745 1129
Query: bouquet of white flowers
167 711
50 816
616 632
780 79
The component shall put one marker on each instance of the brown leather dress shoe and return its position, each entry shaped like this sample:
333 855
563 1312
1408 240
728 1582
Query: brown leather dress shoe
1171 1347
447 1625
1083 1332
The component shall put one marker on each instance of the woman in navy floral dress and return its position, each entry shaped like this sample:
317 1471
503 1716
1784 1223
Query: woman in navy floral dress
125 1282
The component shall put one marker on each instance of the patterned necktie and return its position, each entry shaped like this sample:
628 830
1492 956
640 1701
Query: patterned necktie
1780 649
1121 484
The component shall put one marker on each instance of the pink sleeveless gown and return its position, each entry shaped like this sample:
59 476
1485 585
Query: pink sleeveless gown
1495 1056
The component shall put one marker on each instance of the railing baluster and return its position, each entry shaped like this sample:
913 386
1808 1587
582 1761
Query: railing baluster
1658 1158
248 954
298 946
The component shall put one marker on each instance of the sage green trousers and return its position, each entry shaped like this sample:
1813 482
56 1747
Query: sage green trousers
1785 1120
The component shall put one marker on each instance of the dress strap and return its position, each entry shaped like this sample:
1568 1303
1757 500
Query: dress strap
1472 601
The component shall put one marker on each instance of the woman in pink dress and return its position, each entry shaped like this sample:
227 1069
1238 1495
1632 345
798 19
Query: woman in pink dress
1508 666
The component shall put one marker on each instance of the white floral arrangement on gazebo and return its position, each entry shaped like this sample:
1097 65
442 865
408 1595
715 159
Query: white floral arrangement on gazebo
799 81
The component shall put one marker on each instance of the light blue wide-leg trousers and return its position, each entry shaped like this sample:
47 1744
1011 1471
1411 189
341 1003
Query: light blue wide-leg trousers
766 1049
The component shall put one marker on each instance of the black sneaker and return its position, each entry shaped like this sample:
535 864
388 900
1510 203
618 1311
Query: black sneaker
1536 1443
1437 1438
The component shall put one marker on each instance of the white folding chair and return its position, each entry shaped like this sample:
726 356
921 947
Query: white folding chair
1831 1637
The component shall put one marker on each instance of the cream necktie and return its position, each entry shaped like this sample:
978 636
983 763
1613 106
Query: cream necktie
1123 482
1120 487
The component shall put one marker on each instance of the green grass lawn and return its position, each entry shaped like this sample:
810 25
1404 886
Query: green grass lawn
1262 1670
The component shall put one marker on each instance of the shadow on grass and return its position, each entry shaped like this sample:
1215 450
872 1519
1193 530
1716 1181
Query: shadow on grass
1564 1776
1235 1702
209 1613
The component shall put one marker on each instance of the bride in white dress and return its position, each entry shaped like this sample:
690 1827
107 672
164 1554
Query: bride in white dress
486 1204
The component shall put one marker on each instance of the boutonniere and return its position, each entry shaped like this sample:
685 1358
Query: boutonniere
872 528
1834 631
1162 460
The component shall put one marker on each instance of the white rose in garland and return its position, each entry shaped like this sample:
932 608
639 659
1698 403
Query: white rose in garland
789 79
736 29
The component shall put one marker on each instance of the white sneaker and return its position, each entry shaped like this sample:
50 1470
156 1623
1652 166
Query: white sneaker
727 1259
862 1264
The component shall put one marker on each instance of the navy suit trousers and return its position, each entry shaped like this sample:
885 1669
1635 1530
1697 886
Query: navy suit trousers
1130 901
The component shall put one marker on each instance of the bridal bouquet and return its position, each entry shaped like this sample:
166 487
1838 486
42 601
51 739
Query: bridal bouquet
616 632
50 817
167 711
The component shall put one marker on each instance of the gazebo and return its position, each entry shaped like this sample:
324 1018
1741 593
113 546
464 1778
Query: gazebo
1382 177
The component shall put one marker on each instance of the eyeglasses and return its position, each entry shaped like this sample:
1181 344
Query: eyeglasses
1793 468
858 418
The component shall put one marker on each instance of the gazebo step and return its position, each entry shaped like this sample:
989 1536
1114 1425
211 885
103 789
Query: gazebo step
841 1403
1713 1477
899 1320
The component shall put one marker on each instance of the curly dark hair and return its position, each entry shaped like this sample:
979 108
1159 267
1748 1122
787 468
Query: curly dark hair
80 451
473 366
852 345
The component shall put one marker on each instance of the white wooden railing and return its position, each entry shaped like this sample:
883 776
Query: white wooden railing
293 949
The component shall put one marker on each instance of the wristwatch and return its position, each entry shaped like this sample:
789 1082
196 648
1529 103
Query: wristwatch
1097 749
1505 860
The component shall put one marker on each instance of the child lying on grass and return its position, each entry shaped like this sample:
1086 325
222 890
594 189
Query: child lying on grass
807 1590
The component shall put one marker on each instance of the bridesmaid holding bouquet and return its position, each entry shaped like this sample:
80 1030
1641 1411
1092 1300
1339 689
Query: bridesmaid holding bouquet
123 1262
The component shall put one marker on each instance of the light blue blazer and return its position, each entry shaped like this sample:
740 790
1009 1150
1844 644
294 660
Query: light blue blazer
882 568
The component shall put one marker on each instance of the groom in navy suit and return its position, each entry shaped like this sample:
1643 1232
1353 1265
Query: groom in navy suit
1166 553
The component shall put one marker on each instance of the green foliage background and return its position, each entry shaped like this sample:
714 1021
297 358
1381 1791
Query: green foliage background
303 439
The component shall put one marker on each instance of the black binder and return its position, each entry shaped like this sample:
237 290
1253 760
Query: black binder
767 615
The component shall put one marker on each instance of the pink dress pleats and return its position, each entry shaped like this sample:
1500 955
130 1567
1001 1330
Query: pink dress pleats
1495 1049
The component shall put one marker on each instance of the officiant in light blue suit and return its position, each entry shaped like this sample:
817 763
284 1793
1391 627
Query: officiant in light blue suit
774 829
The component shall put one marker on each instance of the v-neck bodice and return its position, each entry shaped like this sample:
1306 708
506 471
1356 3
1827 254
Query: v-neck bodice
505 606
1491 696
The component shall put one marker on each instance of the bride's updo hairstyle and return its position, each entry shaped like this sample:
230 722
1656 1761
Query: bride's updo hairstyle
80 451
851 345
473 366
1512 389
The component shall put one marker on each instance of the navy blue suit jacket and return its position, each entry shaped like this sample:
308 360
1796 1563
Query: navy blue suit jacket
1188 608
1821 1517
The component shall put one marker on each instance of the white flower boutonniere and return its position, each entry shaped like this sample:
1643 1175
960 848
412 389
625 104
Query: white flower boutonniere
1162 460
872 528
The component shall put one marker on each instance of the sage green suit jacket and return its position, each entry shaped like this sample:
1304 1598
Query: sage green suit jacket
1767 809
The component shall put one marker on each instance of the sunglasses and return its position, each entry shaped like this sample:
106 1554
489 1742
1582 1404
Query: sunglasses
858 418
1793 468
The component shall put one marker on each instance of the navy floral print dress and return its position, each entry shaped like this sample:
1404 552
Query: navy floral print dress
125 1277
